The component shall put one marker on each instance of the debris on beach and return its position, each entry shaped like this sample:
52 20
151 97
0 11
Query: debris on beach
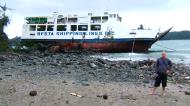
82 66
129 97
187 78
33 93
187 92
77 95
105 96
67 102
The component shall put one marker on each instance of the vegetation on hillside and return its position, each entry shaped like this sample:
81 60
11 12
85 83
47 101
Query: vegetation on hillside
4 21
182 35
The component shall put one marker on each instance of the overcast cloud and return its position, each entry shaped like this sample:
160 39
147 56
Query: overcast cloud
151 13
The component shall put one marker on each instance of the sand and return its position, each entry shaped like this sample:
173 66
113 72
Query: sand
56 92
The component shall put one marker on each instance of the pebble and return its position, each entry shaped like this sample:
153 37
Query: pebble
33 93
8 75
25 71
85 83
64 81
2 58
187 78
92 65
187 92
130 97
105 96
67 102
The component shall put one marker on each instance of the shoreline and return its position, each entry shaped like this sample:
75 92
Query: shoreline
139 57
55 76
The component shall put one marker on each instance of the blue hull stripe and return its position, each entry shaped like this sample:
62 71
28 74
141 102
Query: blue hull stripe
122 40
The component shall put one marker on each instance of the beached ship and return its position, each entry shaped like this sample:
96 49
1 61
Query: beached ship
95 32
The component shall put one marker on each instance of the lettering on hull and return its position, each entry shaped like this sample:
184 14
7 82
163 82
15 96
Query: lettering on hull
67 33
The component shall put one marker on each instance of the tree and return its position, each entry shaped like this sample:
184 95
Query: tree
4 21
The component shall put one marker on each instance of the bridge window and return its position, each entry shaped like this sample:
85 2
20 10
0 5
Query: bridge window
95 27
41 28
32 28
110 15
115 15
61 20
104 19
83 27
73 27
95 19
50 28
36 20
119 19
61 27
72 20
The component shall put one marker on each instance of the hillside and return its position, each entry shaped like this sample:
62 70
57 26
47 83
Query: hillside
182 35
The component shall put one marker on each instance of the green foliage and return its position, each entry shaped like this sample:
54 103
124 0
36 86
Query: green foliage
4 21
182 35
30 45
15 43
3 45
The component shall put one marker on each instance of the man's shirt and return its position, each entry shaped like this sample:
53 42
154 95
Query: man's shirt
162 65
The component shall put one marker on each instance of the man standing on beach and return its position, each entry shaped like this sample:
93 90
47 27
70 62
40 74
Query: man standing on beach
163 69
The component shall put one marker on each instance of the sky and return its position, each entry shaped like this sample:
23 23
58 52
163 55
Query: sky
161 14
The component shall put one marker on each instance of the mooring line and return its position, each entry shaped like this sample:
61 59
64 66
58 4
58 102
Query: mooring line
165 47
132 47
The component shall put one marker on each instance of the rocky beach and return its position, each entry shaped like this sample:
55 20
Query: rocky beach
97 53
79 79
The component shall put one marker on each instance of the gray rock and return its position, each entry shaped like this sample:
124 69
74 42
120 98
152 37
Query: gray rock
67 102
25 71
84 83
187 92
102 61
64 81
130 97
2 58
105 96
54 64
92 73
8 75
33 93
92 65
61 72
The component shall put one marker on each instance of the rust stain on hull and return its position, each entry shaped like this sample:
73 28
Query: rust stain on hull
106 47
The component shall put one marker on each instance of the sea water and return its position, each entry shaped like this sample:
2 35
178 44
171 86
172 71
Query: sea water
177 50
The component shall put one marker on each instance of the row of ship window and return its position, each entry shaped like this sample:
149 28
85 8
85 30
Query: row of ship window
64 27
64 20
75 20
